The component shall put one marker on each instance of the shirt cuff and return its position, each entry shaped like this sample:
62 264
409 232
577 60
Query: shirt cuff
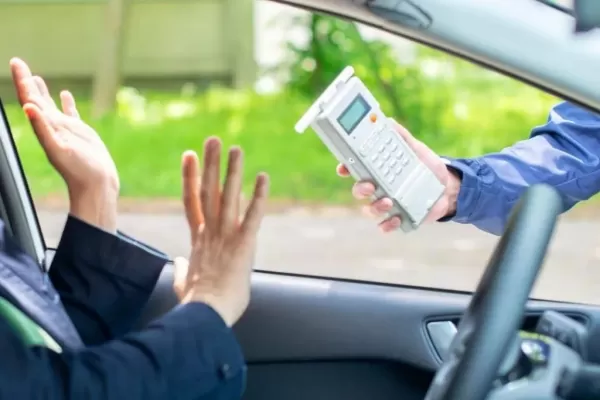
210 349
470 190
120 255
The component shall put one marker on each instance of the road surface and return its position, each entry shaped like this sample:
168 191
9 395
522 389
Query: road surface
341 243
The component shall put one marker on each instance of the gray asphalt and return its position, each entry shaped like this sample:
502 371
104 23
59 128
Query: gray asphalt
340 243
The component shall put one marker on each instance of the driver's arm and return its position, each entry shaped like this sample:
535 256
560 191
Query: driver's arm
104 280
189 353
564 153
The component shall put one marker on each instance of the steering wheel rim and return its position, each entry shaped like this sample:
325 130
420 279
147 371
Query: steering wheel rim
493 318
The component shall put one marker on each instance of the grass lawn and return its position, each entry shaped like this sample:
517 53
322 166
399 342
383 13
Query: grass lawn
148 135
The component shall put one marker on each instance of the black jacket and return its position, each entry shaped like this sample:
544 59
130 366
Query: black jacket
96 288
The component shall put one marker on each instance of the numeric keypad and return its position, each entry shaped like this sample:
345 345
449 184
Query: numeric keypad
386 153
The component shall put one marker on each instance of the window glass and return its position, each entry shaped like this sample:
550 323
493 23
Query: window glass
180 87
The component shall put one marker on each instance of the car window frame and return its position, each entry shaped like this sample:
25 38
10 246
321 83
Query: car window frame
490 52
17 208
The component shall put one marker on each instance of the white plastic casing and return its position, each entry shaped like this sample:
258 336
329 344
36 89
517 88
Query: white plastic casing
350 122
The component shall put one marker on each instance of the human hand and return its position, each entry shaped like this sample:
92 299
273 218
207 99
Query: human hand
223 246
446 205
73 148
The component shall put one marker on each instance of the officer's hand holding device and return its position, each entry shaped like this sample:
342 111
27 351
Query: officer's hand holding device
349 121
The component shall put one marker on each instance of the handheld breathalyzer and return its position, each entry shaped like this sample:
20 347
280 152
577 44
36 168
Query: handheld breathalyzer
351 124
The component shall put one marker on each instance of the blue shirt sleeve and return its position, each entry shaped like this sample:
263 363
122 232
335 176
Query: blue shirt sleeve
563 153
104 280
188 354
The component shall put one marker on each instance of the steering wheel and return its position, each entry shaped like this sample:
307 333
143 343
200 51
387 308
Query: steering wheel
494 315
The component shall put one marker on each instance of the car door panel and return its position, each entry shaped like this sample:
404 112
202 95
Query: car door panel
335 380
306 337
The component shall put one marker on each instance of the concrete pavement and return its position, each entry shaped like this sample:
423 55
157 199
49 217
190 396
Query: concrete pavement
341 243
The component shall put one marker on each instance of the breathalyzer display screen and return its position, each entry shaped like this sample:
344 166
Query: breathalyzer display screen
353 114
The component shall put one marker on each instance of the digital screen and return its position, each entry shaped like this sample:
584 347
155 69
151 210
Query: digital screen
353 114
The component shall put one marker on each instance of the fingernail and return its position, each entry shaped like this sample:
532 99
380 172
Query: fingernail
29 112
384 205
378 209
364 188
391 224
210 146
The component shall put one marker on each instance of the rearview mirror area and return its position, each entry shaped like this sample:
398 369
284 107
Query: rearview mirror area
587 15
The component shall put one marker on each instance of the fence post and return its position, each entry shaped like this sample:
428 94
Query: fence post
239 31
107 76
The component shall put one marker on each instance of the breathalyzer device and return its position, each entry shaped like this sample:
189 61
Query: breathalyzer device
351 124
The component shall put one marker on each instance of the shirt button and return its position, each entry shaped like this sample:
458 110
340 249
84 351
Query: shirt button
225 371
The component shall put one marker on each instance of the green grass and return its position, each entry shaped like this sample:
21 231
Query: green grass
147 136
146 143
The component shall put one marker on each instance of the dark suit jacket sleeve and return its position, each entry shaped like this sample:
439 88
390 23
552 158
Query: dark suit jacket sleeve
563 153
104 280
188 354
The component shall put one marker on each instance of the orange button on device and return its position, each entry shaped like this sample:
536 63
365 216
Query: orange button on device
373 117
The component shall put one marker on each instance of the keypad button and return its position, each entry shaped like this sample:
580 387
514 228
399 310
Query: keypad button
386 171
400 154
393 162
405 161
368 144
375 157
385 156
374 139
388 140
398 170
381 149
379 164
394 147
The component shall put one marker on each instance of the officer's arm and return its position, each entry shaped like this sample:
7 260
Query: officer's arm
188 354
104 280
564 153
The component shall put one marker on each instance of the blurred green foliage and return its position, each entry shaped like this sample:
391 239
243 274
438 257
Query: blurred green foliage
456 108
148 134
450 104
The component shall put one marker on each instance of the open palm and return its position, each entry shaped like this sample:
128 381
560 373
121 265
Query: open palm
72 147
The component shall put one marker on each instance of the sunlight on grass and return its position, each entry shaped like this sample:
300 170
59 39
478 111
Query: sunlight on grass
147 135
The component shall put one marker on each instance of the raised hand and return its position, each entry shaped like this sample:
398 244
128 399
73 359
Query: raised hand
223 245
446 205
190 173
73 148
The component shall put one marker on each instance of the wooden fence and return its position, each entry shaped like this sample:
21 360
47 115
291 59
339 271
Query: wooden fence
164 42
